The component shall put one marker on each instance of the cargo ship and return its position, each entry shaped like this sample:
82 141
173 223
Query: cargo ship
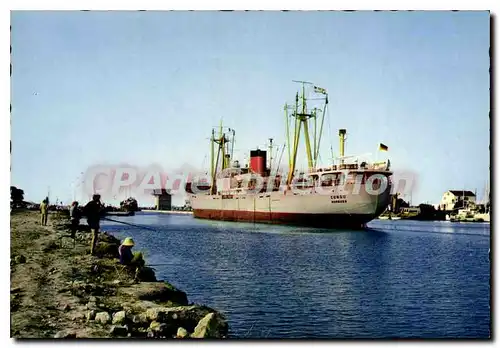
346 193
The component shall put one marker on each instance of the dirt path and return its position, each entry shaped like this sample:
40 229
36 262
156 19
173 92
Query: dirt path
59 290
37 285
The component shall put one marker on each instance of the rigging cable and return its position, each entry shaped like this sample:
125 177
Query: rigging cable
330 133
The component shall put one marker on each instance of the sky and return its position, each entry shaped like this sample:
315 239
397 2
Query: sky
103 88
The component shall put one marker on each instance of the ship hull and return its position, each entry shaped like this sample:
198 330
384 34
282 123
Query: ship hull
314 210
312 220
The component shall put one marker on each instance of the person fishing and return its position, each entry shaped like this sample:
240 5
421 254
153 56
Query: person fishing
128 258
44 211
74 215
125 251
93 211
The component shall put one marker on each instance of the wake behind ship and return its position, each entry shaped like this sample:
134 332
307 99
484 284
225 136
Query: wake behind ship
347 193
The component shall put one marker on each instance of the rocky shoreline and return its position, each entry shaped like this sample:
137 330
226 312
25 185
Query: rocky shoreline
58 290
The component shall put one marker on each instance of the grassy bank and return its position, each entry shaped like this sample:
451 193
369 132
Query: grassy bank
59 290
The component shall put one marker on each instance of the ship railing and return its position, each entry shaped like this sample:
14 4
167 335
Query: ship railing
351 166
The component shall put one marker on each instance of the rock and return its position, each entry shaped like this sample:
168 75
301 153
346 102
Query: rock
156 291
66 307
15 290
20 259
155 326
146 274
211 326
77 316
187 317
155 314
90 315
91 305
158 329
92 299
119 317
117 282
140 319
182 333
65 334
119 330
102 317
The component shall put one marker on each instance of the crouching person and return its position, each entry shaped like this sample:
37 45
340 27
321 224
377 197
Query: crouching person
134 260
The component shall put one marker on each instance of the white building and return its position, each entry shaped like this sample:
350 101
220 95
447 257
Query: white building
452 197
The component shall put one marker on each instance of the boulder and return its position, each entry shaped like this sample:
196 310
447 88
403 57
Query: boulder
119 317
146 274
119 330
156 326
157 329
211 326
155 314
187 317
140 319
182 333
156 291
102 318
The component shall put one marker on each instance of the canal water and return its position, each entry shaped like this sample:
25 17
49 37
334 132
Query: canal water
397 279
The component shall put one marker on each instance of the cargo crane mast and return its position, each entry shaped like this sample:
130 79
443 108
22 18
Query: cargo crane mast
302 119
223 150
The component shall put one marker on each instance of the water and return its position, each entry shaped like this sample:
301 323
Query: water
398 279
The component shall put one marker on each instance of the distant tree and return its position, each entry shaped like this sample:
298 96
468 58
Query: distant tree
16 197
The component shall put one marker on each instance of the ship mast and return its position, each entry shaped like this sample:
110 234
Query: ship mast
270 154
223 150
302 119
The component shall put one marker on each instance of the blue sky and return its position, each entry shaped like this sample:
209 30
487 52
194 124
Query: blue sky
146 87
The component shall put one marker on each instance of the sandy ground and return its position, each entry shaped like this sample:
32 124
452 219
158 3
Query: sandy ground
56 284
38 308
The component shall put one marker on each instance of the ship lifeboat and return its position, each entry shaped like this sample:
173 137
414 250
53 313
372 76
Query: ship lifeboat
202 186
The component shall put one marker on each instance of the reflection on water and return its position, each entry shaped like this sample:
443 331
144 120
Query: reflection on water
397 279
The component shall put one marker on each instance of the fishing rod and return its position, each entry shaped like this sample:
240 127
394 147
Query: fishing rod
133 225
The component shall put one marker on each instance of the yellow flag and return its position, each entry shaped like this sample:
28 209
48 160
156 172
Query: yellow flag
383 147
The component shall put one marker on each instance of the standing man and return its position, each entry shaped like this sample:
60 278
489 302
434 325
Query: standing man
44 210
93 211
74 215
